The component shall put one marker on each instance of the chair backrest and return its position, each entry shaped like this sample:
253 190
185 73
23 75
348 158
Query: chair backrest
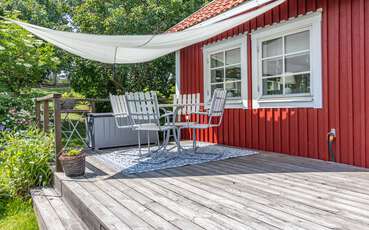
217 105
143 108
193 101
118 105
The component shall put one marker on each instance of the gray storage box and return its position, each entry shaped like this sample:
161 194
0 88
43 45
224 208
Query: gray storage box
102 132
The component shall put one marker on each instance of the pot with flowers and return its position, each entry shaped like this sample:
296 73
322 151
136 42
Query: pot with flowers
73 162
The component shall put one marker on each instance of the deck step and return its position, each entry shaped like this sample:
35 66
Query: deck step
87 203
52 211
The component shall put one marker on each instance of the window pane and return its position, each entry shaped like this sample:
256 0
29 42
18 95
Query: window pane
297 42
297 84
233 56
233 89
216 86
272 67
273 86
298 63
272 47
233 73
217 60
217 75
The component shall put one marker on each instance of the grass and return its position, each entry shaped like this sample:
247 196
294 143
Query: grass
17 214
50 90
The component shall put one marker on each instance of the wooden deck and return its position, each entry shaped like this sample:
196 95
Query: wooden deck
263 191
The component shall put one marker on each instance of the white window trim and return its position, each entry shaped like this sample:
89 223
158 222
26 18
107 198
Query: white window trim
178 72
238 41
311 21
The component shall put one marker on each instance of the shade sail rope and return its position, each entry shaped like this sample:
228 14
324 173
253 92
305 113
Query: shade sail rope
120 49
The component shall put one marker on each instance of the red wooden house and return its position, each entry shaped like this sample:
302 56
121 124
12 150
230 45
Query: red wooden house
293 74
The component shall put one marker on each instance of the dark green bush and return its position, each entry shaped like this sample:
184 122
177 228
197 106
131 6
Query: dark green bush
24 161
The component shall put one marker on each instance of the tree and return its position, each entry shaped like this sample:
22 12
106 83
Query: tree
109 17
24 60
129 17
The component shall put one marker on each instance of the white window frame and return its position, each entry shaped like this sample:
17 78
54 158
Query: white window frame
228 44
311 22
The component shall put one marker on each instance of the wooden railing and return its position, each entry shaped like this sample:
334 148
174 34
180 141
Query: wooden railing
42 110
44 102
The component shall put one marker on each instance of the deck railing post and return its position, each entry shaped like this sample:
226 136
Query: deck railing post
58 130
46 116
38 113
93 106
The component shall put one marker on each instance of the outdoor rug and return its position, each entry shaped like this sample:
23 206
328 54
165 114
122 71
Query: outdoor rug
128 161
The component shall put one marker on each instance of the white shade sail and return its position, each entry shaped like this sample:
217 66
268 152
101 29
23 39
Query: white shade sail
122 49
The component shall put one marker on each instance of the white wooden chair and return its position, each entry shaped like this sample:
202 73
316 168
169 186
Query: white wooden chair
120 113
192 105
185 105
144 115
214 114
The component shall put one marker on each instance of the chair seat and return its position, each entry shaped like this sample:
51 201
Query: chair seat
152 127
200 126
183 124
146 126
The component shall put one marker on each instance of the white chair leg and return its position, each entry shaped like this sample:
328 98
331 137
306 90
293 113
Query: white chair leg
148 141
179 139
139 142
157 137
176 139
166 139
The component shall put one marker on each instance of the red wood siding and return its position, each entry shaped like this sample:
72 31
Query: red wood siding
303 132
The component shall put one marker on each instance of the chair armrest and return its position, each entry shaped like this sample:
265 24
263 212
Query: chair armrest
164 110
167 114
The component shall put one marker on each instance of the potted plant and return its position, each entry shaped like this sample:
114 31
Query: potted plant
73 162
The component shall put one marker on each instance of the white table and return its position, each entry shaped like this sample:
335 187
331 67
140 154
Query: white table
177 138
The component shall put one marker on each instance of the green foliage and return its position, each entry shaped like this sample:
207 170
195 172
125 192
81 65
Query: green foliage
15 112
24 162
17 214
24 60
72 152
109 17
128 17
47 13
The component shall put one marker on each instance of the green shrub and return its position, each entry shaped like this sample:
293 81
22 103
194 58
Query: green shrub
24 161
15 112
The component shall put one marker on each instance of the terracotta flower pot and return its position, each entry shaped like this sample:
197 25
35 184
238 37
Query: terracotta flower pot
73 165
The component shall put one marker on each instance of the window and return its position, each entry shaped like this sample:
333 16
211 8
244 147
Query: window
225 68
287 64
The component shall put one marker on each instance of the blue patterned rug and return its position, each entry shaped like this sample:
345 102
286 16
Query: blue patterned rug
128 160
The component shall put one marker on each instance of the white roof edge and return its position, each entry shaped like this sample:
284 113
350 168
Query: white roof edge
232 12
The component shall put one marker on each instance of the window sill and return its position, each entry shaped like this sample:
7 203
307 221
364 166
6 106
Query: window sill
232 104
286 99
290 102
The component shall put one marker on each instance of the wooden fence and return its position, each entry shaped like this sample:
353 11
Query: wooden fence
52 104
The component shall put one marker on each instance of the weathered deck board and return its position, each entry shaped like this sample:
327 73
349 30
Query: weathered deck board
53 213
263 191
